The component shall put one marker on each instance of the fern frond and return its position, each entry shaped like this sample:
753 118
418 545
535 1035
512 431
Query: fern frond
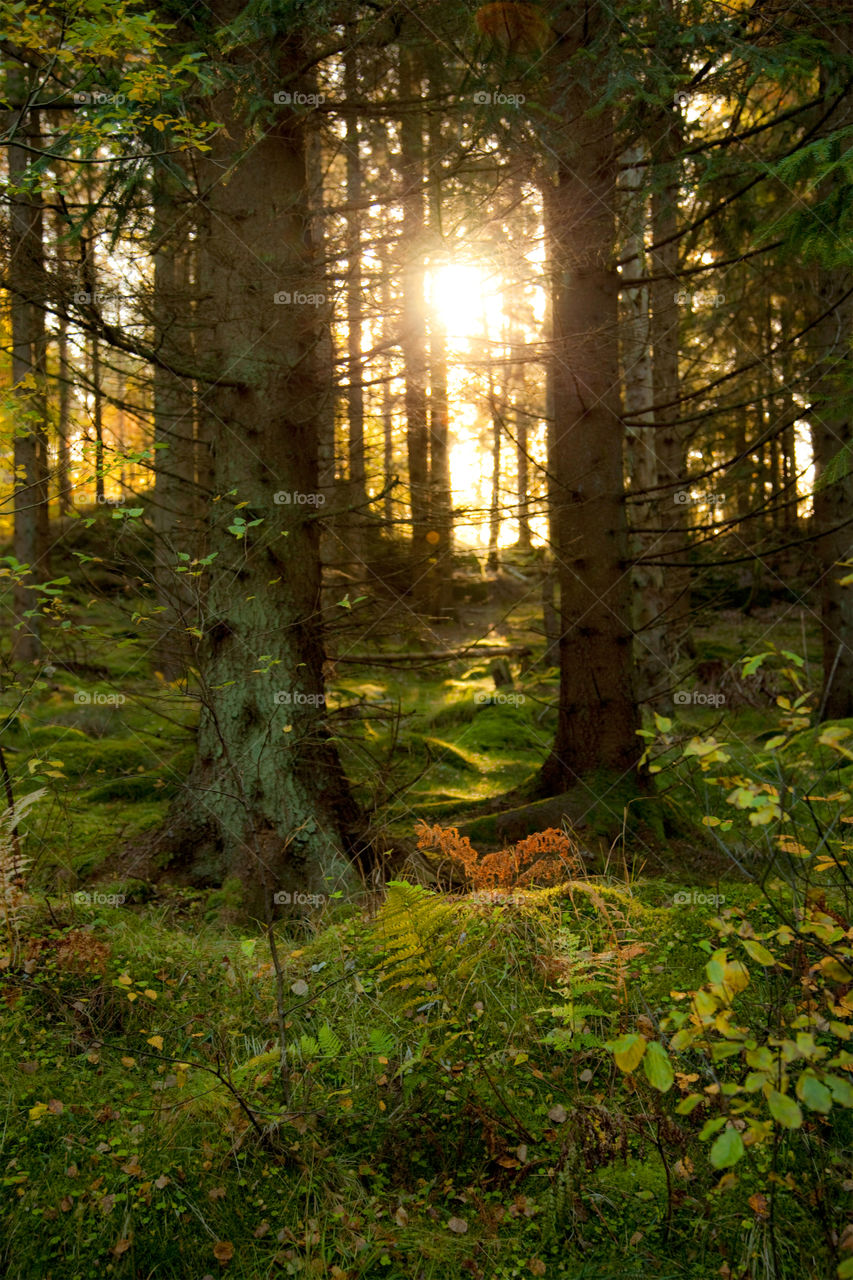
416 930
381 1043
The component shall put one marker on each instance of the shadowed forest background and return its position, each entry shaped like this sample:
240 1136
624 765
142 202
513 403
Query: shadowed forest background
426 665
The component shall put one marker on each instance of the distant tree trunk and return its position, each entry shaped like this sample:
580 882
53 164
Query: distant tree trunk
651 653
414 318
522 487
266 798
832 433
597 714
493 560
355 310
97 418
670 439
26 289
63 423
440 500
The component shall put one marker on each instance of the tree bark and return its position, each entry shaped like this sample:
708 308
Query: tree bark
597 714
174 503
653 662
414 315
26 287
267 800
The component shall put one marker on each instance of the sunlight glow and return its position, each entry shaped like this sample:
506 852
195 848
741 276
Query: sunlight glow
457 291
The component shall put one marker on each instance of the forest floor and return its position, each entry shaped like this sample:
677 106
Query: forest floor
460 1093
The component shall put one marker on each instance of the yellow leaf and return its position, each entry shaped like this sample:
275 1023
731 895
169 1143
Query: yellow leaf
156 1042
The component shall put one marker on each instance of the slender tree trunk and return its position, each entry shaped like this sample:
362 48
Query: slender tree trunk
522 486
414 316
440 534
355 311
267 799
97 416
597 719
26 287
63 424
493 560
651 652
670 439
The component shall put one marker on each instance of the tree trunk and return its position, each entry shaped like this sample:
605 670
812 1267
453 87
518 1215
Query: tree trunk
267 797
355 308
597 720
414 315
63 423
174 434
670 440
832 434
653 661
26 287
495 500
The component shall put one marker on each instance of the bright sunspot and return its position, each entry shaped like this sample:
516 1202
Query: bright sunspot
457 290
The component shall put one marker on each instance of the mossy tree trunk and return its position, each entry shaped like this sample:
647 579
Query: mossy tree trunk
266 798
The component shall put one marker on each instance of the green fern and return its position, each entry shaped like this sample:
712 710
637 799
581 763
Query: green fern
417 932
329 1041
381 1043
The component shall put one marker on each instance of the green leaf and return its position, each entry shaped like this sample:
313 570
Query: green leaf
628 1050
845 1269
751 665
784 1110
841 1090
727 1150
813 1093
658 1067
757 951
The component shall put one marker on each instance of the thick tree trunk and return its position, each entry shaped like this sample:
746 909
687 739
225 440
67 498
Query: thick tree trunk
174 501
267 799
832 432
597 721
